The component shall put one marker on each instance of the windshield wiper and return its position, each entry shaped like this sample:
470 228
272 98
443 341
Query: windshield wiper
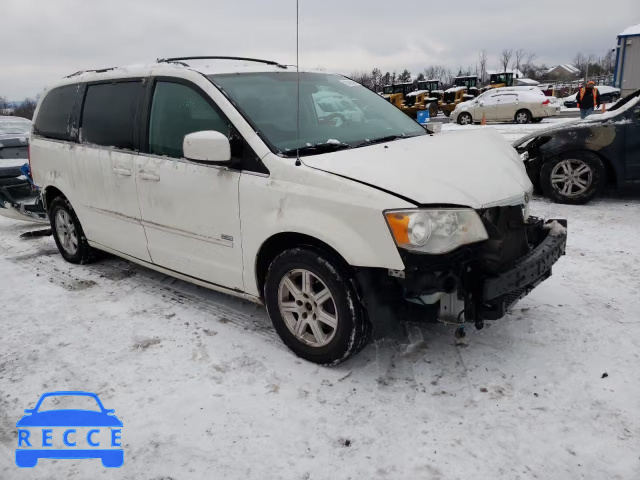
318 148
388 138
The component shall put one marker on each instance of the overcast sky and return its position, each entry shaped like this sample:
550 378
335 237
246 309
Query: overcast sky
43 40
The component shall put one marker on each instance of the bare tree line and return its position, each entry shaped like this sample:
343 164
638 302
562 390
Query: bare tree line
24 109
519 59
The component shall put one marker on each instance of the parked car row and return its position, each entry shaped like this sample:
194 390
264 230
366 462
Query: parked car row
334 224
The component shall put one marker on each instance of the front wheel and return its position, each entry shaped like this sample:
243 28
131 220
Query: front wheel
573 178
314 307
523 116
465 119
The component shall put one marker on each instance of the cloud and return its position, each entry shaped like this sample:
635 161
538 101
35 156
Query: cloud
43 40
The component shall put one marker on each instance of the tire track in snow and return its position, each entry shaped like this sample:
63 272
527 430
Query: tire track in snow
41 257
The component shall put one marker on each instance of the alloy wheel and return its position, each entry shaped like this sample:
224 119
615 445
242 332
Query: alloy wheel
571 177
522 118
66 231
307 307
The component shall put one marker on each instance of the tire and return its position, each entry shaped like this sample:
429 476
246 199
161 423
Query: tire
522 116
563 167
433 110
65 226
447 113
468 119
323 344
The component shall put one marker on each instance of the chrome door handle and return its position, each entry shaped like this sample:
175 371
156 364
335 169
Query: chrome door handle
122 171
149 176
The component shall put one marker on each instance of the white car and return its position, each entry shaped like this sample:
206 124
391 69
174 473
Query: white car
203 174
508 104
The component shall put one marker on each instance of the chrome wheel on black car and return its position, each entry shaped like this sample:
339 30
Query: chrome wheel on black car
573 178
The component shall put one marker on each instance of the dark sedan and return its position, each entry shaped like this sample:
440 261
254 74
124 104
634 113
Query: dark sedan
573 162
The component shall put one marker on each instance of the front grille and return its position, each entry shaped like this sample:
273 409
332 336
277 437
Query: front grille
449 97
410 101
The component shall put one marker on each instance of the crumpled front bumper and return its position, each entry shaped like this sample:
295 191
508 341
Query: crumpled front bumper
501 291
462 286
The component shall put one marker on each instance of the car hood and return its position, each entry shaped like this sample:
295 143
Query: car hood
475 168
69 418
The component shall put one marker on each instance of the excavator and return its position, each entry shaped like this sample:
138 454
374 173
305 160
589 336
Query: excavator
422 98
397 92
499 80
464 88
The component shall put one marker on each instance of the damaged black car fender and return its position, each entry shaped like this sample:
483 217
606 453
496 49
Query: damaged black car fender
572 162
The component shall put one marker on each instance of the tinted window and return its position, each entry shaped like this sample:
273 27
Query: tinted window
176 111
109 114
54 116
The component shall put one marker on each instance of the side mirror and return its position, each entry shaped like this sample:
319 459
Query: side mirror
481 103
207 146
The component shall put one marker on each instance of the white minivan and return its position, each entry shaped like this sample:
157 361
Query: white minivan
232 177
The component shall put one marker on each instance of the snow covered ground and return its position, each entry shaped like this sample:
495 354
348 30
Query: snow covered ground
205 389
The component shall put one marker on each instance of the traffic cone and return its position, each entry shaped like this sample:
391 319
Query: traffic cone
484 119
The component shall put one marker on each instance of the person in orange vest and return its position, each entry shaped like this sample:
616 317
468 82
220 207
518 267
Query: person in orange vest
588 99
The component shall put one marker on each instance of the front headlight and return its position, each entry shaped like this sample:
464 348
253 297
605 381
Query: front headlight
435 231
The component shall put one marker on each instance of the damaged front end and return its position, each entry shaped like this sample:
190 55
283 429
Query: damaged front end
472 283
19 198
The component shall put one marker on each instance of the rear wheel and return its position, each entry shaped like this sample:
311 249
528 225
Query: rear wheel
68 233
523 116
465 119
314 307
573 178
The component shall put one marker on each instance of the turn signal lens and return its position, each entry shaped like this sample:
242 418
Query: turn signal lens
435 231
399 225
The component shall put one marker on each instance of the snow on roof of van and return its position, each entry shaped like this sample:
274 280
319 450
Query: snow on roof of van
634 30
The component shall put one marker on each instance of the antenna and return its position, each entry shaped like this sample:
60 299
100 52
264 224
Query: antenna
298 82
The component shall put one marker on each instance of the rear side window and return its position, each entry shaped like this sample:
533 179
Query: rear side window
110 112
55 114
176 111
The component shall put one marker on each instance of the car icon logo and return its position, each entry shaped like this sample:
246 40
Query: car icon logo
69 433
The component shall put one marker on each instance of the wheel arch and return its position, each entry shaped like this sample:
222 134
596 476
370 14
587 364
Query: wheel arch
279 242
49 194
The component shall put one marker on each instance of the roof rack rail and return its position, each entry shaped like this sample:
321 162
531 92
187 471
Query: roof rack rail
99 70
246 59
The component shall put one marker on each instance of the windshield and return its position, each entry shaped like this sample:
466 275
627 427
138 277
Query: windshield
333 110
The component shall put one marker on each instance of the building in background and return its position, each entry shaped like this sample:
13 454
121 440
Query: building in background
565 71
627 71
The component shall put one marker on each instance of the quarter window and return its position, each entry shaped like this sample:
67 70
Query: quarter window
54 116
176 111
109 114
